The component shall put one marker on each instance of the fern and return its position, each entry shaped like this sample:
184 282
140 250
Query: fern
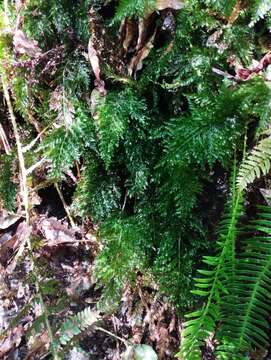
64 146
118 112
76 325
260 9
7 187
222 6
97 194
122 256
257 163
246 326
129 8
211 285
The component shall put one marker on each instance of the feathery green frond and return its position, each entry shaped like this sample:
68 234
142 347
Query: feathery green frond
127 242
119 111
211 284
246 326
130 8
260 9
7 187
65 145
76 325
256 164
97 194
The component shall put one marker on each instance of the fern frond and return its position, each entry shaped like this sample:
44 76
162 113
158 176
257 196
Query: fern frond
76 325
65 145
247 327
129 8
260 9
256 164
211 284
115 115
7 187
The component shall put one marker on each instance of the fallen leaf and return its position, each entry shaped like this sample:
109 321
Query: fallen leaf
60 103
38 345
7 219
266 193
140 352
129 30
55 232
23 45
136 63
79 285
7 242
95 64
172 4
11 341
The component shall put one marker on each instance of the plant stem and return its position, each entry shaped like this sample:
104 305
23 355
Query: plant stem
26 204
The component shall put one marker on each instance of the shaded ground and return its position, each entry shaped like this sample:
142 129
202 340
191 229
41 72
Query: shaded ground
64 261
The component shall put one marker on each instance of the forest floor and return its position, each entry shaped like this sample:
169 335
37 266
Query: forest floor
66 256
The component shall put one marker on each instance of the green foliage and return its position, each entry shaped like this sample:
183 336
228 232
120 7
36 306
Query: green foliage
147 154
76 325
256 164
211 283
127 246
7 187
96 194
245 324
114 119
130 8
65 145
224 7
260 9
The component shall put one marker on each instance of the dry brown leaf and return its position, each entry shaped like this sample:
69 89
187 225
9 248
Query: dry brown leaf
11 341
95 64
55 232
130 31
169 4
15 242
136 63
23 45
7 219
79 286
64 108
38 345
7 243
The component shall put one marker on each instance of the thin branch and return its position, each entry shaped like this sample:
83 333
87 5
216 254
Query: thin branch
65 205
4 139
126 342
36 165
25 197
33 142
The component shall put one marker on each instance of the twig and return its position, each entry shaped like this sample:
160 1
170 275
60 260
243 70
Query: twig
35 166
126 342
25 197
33 142
4 139
66 208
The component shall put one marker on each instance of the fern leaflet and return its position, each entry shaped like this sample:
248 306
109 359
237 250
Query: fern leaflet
212 284
247 326
76 325
260 10
256 164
